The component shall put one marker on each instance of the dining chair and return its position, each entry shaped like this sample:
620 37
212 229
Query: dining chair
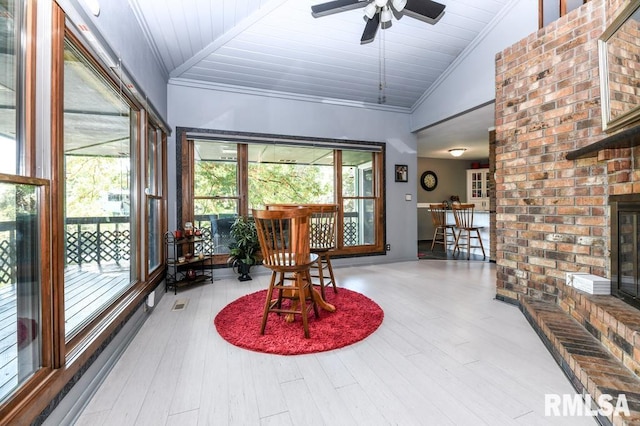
441 229
284 244
467 231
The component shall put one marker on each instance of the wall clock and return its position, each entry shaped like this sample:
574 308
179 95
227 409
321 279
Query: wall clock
429 180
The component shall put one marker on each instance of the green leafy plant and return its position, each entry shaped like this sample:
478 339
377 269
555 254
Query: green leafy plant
245 245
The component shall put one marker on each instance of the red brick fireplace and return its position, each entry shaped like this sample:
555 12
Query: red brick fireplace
553 212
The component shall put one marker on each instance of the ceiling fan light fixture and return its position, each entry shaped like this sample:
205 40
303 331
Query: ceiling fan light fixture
385 15
457 152
378 14
370 10
399 5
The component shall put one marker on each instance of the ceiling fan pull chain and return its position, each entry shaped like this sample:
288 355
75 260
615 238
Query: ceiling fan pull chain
384 67
380 70
382 98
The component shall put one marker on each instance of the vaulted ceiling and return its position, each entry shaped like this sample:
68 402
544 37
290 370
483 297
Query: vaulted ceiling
277 46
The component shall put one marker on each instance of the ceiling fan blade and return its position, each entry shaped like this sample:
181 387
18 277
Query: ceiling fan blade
370 29
336 6
425 10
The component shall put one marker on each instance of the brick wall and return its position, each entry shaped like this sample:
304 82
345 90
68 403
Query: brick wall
551 213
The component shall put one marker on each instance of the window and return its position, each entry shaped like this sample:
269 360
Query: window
284 171
216 199
24 277
154 193
22 211
99 139
359 199
12 76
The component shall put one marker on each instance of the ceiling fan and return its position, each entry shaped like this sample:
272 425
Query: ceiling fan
378 13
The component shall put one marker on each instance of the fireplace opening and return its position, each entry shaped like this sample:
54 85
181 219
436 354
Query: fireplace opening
625 235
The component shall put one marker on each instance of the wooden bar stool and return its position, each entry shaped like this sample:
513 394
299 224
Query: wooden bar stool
322 236
441 229
466 230
323 242
284 243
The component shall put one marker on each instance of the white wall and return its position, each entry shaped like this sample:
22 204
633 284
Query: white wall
470 81
195 105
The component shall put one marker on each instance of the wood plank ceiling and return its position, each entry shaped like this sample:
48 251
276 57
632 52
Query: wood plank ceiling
277 46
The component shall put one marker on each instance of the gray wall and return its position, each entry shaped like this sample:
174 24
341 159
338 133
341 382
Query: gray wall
198 106
470 80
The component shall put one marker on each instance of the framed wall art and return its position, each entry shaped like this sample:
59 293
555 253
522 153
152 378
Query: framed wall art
402 173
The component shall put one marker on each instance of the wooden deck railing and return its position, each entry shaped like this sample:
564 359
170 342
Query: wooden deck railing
107 240
89 240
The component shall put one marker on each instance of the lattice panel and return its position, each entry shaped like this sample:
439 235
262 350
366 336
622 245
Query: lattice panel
7 262
115 245
72 248
207 245
91 246
351 233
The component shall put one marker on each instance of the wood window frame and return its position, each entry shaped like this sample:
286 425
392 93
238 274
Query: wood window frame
76 342
160 183
21 401
562 10
185 181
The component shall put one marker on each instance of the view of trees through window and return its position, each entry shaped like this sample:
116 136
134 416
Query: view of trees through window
97 186
283 173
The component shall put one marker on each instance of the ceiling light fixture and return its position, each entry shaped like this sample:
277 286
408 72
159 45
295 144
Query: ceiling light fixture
385 15
370 10
457 152
399 4
383 7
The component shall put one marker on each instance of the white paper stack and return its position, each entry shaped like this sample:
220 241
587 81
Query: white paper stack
591 284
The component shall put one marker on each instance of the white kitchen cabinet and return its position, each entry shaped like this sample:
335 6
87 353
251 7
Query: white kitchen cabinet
478 188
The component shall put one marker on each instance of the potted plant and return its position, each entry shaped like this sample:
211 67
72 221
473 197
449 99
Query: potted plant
245 246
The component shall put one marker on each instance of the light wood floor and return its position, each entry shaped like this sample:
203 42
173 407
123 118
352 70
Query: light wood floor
446 353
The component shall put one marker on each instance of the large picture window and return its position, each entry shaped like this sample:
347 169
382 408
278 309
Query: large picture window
230 178
99 138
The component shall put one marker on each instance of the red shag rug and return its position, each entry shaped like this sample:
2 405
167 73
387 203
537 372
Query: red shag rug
355 318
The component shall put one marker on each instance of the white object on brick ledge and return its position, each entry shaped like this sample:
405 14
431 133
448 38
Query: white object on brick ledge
589 283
